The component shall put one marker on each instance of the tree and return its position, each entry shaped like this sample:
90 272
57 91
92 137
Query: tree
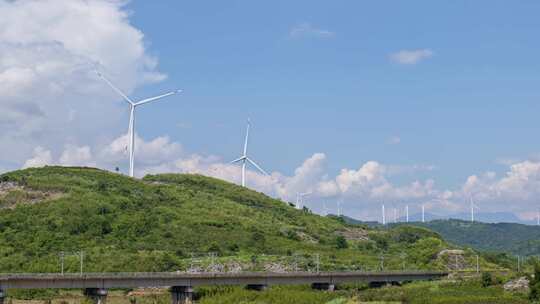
534 283
487 279
341 242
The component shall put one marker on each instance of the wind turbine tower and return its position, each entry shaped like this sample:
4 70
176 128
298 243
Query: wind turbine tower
300 199
383 216
132 106
395 215
339 208
244 159
423 213
407 213
473 206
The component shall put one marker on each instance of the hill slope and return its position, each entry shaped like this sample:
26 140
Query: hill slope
155 224
502 237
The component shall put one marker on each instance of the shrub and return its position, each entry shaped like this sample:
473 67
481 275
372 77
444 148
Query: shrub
534 283
487 280
341 242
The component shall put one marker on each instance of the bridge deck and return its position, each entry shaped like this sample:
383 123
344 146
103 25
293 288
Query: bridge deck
134 280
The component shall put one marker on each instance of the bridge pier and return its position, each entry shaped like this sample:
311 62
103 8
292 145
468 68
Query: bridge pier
257 287
181 295
2 296
96 295
323 286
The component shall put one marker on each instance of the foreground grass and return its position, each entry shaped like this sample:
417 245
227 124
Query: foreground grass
461 292
466 292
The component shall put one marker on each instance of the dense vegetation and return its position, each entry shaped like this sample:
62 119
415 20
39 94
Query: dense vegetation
511 238
458 292
155 224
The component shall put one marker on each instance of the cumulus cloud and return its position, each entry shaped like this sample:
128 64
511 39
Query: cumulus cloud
48 49
411 57
305 29
40 158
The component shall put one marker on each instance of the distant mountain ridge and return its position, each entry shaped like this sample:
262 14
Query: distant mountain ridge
511 238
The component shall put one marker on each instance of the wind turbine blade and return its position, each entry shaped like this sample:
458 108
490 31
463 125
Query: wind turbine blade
237 160
256 166
247 137
117 90
147 100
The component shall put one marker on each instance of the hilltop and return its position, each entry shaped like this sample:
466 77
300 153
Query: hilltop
160 222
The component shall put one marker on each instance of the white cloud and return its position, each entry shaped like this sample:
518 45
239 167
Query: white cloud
363 189
77 156
517 189
49 92
40 158
305 29
410 57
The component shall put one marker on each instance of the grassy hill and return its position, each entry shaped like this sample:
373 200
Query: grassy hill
511 238
161 222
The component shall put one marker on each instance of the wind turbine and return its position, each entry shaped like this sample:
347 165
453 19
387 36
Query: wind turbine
300 199
407 213
395 215
244 159
538 217
339 208
132 106
473 206
423 213
383 216
325 210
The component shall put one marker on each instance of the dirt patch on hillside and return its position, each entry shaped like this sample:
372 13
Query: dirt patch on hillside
354 234
13 194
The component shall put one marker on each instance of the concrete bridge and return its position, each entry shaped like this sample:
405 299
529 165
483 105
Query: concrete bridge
95 285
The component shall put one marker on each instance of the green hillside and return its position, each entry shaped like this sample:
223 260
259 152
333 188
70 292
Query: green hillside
511 238
161 222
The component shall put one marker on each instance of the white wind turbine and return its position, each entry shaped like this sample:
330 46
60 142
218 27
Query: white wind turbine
473 206
325 210
383 215
423 213
300 199
132 106
339 208
407 213
244 159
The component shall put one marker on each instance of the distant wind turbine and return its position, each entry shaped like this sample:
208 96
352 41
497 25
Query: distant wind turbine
132 106
383 215
300 199
339 208
395 215
407 213
473 206
245 159
423 213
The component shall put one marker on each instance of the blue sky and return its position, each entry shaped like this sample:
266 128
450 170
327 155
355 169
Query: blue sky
472 103
366 102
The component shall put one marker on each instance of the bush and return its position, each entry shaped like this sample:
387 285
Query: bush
487 279
534 283
341 242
